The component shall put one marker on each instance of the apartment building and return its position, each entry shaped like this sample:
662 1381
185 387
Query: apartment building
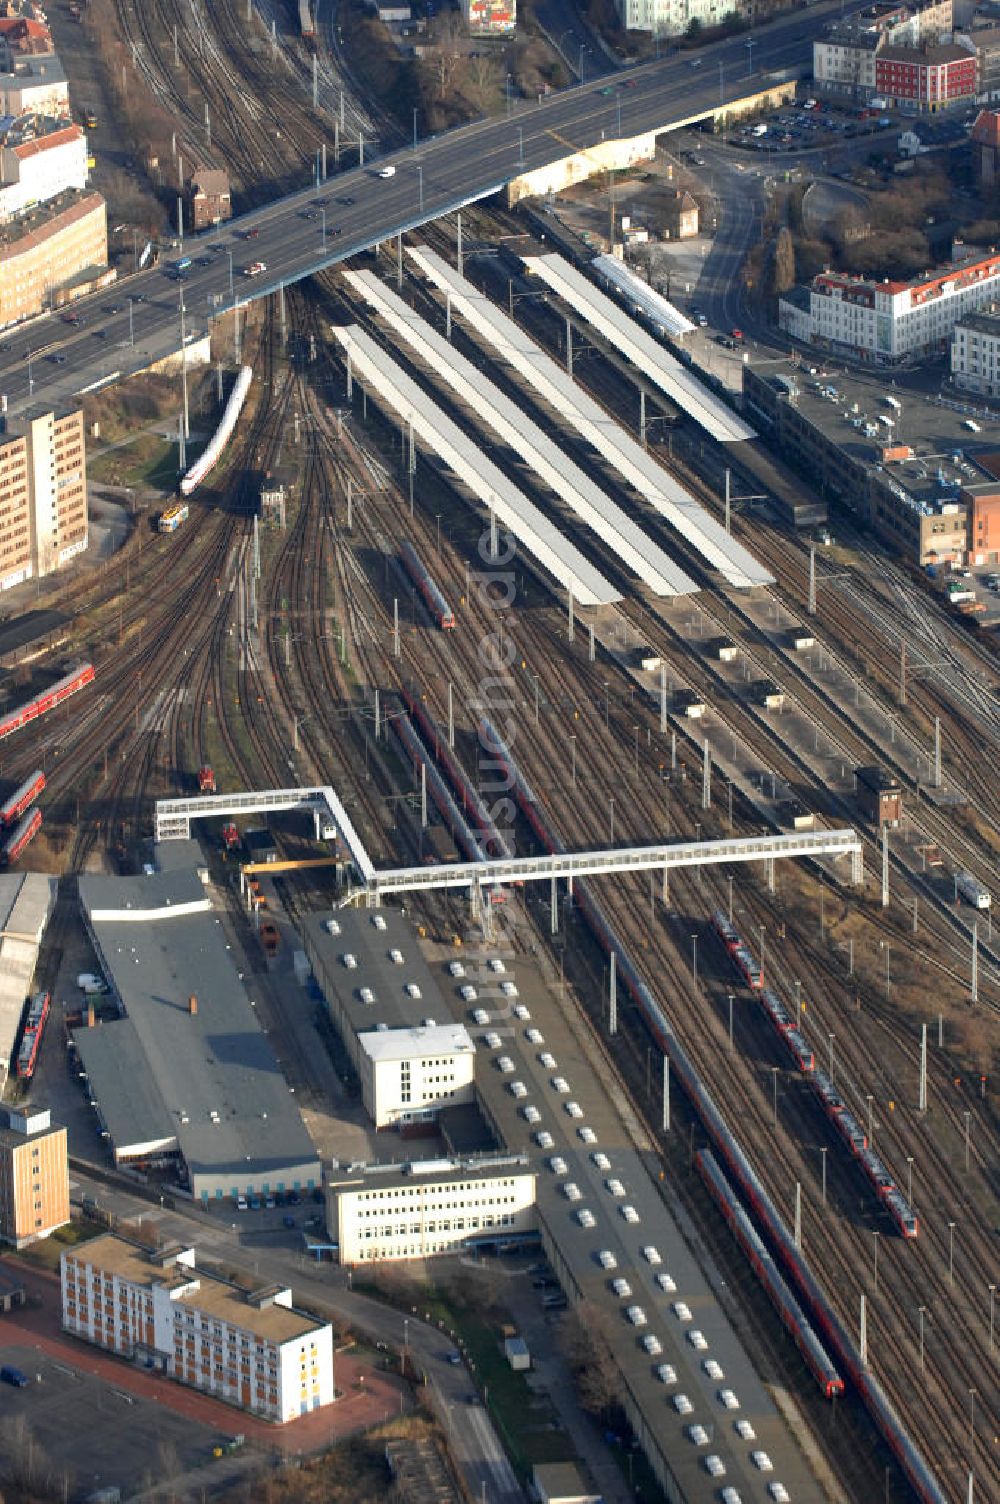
670 18
38 160
34 1176
490 18
975 354
43 495
927 79
252 1349
51 253
844 57
427 1207
889 320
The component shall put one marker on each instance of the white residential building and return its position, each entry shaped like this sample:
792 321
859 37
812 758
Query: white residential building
887 321
251 1349
35 85
670 18
427 1207
408 1075
38 167
975 354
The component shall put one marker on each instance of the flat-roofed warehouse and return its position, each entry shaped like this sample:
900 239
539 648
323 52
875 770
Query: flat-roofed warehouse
186 1074
411 1056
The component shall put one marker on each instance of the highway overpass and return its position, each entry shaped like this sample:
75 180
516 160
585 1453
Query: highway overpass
49 362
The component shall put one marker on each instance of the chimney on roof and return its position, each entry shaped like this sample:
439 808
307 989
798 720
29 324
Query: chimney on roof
192 1005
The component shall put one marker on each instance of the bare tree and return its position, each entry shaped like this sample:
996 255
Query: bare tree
586 1342
442 64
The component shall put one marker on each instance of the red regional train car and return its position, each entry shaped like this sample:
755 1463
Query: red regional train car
432 597
22 798
21 837
61 690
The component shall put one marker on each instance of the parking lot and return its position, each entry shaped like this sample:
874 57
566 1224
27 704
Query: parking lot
82 1433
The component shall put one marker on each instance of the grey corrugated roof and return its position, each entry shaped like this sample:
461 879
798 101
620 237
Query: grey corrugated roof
217 1060
99 893
122 1084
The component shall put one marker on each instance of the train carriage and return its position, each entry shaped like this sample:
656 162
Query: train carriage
427 586
76 680
21 837
22 798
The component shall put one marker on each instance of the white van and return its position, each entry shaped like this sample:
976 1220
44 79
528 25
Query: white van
387 172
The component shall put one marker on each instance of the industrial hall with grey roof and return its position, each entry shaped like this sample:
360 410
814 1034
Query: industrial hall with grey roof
186 1072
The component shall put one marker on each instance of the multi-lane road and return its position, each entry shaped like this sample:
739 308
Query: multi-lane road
50 362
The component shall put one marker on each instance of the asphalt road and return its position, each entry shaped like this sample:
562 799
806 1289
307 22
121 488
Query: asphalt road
254 1243
48 361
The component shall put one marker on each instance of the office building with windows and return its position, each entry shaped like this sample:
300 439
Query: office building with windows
250 1348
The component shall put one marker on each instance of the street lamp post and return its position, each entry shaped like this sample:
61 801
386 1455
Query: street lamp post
823 1156
730 1023
572 749
323 224
831 1038
875 1268
420 185
131 326
611 821
993 1292
774 1080
232 290
909 1179
414 127
694 958
520 146
583 48
951 1253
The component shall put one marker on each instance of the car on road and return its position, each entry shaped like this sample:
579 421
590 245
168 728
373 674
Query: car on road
387 172
631 83
608 90
255 268
11 1375
203 260
308 214
57 359
453 1357
253 234
346 200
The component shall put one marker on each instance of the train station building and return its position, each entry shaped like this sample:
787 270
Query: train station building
185 1075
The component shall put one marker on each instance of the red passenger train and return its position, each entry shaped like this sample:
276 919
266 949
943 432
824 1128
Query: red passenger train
830 1328
21 837
22 798
48 700
31 1039
432 597
843 1122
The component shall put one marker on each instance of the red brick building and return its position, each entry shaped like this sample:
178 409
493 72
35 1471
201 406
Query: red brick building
926 78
